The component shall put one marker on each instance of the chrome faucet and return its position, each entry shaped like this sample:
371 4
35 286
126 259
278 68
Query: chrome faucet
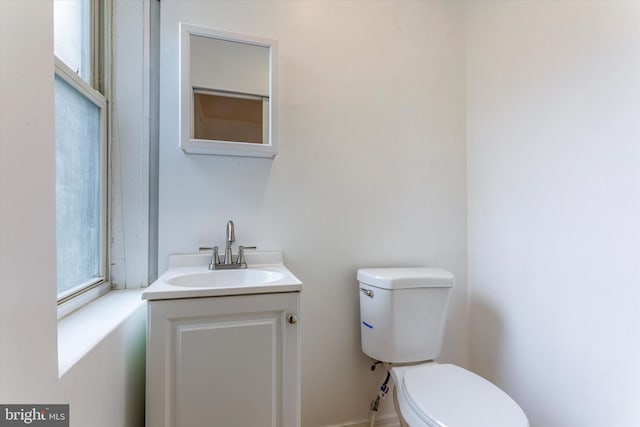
231 237
229 262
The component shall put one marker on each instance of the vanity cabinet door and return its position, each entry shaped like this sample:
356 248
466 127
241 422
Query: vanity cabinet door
224 362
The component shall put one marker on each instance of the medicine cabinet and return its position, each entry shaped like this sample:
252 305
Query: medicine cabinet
227 93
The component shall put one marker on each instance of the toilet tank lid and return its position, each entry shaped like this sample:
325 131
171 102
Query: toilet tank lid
406 277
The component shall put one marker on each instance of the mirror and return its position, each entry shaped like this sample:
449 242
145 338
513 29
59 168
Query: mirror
227 104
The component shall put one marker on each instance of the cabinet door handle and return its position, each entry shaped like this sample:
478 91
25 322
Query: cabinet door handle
292 319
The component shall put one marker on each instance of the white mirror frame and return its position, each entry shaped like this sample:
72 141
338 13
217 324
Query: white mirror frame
224 148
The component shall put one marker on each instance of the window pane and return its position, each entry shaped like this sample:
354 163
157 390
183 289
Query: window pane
78 166
71 20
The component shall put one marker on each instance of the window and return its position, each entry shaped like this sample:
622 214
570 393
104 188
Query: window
81 147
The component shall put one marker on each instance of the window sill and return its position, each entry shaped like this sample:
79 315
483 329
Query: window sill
83 329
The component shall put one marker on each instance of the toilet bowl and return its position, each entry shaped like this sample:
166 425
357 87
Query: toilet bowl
402 320
435 395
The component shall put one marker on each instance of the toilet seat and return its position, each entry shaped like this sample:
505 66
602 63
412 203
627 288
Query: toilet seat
447 395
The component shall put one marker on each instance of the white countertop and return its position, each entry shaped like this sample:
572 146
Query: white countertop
198 265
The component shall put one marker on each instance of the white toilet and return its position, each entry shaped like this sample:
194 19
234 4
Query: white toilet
402 313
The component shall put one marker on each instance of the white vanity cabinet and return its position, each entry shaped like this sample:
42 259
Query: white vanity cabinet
224 361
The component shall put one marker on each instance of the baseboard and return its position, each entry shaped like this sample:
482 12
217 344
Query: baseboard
390 420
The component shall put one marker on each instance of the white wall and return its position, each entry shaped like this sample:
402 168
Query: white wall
371 169
553 131
27 203
105 388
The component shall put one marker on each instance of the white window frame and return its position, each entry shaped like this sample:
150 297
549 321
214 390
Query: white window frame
99 41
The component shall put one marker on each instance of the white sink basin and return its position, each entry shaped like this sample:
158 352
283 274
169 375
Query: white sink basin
188 276
217 278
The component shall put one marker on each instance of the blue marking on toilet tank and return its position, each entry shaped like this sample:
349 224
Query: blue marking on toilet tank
367 325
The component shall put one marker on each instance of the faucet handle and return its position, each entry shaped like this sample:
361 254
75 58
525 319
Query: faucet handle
241 259
215 256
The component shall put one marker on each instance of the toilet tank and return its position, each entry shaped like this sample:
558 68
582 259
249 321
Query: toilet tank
403 312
